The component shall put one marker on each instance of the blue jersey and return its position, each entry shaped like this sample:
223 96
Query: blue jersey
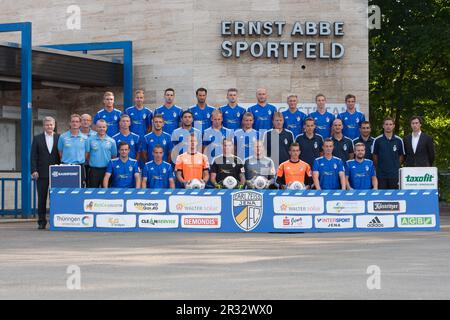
212 140
232 117
122 173
171 116
360 173
243 141
202 117
179 136
152 139
323 123
100 150
158 175
329 172
73 148
263 116
140 120
133 141
352 122
294 121
112 120
90 134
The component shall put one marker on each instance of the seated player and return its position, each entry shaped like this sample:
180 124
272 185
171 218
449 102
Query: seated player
158 174
124 171
360 172
192 164
226 165
328 171
258 166
245 138
294 170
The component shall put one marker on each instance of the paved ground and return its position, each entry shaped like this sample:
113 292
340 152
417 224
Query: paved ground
33 264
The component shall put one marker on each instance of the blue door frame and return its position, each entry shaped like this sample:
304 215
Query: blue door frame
26 92
25 108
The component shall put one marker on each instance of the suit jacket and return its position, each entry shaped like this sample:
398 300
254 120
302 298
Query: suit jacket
41 159
424 155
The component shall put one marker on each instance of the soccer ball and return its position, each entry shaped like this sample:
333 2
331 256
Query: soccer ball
260 182
195 184
296 185
230 182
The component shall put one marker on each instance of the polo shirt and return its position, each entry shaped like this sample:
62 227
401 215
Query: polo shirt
388 152
73 148
100 150
342 148
309 148
277 144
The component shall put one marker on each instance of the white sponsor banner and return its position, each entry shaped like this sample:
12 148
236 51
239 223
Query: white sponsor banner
195 204
116 221
73 220
416 221
298 205
146 206
386 206
375 222
104 205
419 178
334 222
292 222
346 206
201 222
158 221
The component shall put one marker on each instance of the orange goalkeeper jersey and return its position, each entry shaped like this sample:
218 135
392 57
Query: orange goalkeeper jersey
294 171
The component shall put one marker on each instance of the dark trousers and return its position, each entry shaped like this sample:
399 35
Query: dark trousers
95 179
42 190
387 183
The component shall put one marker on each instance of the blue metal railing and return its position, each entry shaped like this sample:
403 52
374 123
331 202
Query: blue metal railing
16 210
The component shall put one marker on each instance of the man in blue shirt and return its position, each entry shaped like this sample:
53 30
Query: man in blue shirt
158 174
157 137
201 111
232 112
72 146
360 172
124 171
245 138
293 117
100 149
129 137
351 118
213 136
181 134
170 112
388 154
262 112
365 138
109 114
310 143
322 118
328 171
140 116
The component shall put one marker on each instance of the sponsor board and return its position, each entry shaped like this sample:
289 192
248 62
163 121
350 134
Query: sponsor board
158 221
346 206
386 206
146 206
292 222
73 220
104 205
116 221
375 222
298 205
334 222
418 178
247 209
201 222
416 221
195 204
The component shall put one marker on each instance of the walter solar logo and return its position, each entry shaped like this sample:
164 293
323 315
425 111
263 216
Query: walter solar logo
247 209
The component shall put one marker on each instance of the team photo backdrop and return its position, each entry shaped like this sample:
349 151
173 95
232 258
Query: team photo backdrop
243 210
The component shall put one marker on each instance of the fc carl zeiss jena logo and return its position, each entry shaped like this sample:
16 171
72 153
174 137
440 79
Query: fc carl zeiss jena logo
247 209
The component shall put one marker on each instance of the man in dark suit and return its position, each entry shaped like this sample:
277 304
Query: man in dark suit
44 152
419 147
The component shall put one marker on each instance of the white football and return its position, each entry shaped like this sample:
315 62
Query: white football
260 182
296 185
230 182
195 184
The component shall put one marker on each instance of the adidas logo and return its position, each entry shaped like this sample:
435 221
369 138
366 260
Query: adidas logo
375 223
